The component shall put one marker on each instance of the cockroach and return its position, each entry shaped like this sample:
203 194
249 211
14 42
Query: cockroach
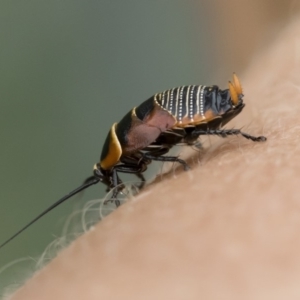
147 132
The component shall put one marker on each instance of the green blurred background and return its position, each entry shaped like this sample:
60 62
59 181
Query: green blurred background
69 69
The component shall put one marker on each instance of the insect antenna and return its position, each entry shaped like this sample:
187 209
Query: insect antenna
85 185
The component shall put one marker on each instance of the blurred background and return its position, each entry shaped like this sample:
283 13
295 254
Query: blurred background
69 69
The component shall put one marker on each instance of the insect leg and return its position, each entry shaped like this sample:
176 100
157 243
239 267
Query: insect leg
156 155
225 132
117 183
137 161
170 137
143 180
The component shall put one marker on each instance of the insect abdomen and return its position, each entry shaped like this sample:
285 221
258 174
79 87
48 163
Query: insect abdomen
185 103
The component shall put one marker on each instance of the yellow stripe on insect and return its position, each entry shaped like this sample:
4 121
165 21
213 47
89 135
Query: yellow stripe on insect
114 152
233 93
237 85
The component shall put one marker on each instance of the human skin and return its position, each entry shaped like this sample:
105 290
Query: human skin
227 229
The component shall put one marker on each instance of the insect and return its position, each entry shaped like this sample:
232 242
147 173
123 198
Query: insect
147 132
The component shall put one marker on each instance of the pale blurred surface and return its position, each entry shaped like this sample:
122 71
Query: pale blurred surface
70 69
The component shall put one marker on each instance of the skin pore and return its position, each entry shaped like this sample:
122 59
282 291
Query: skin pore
227 229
